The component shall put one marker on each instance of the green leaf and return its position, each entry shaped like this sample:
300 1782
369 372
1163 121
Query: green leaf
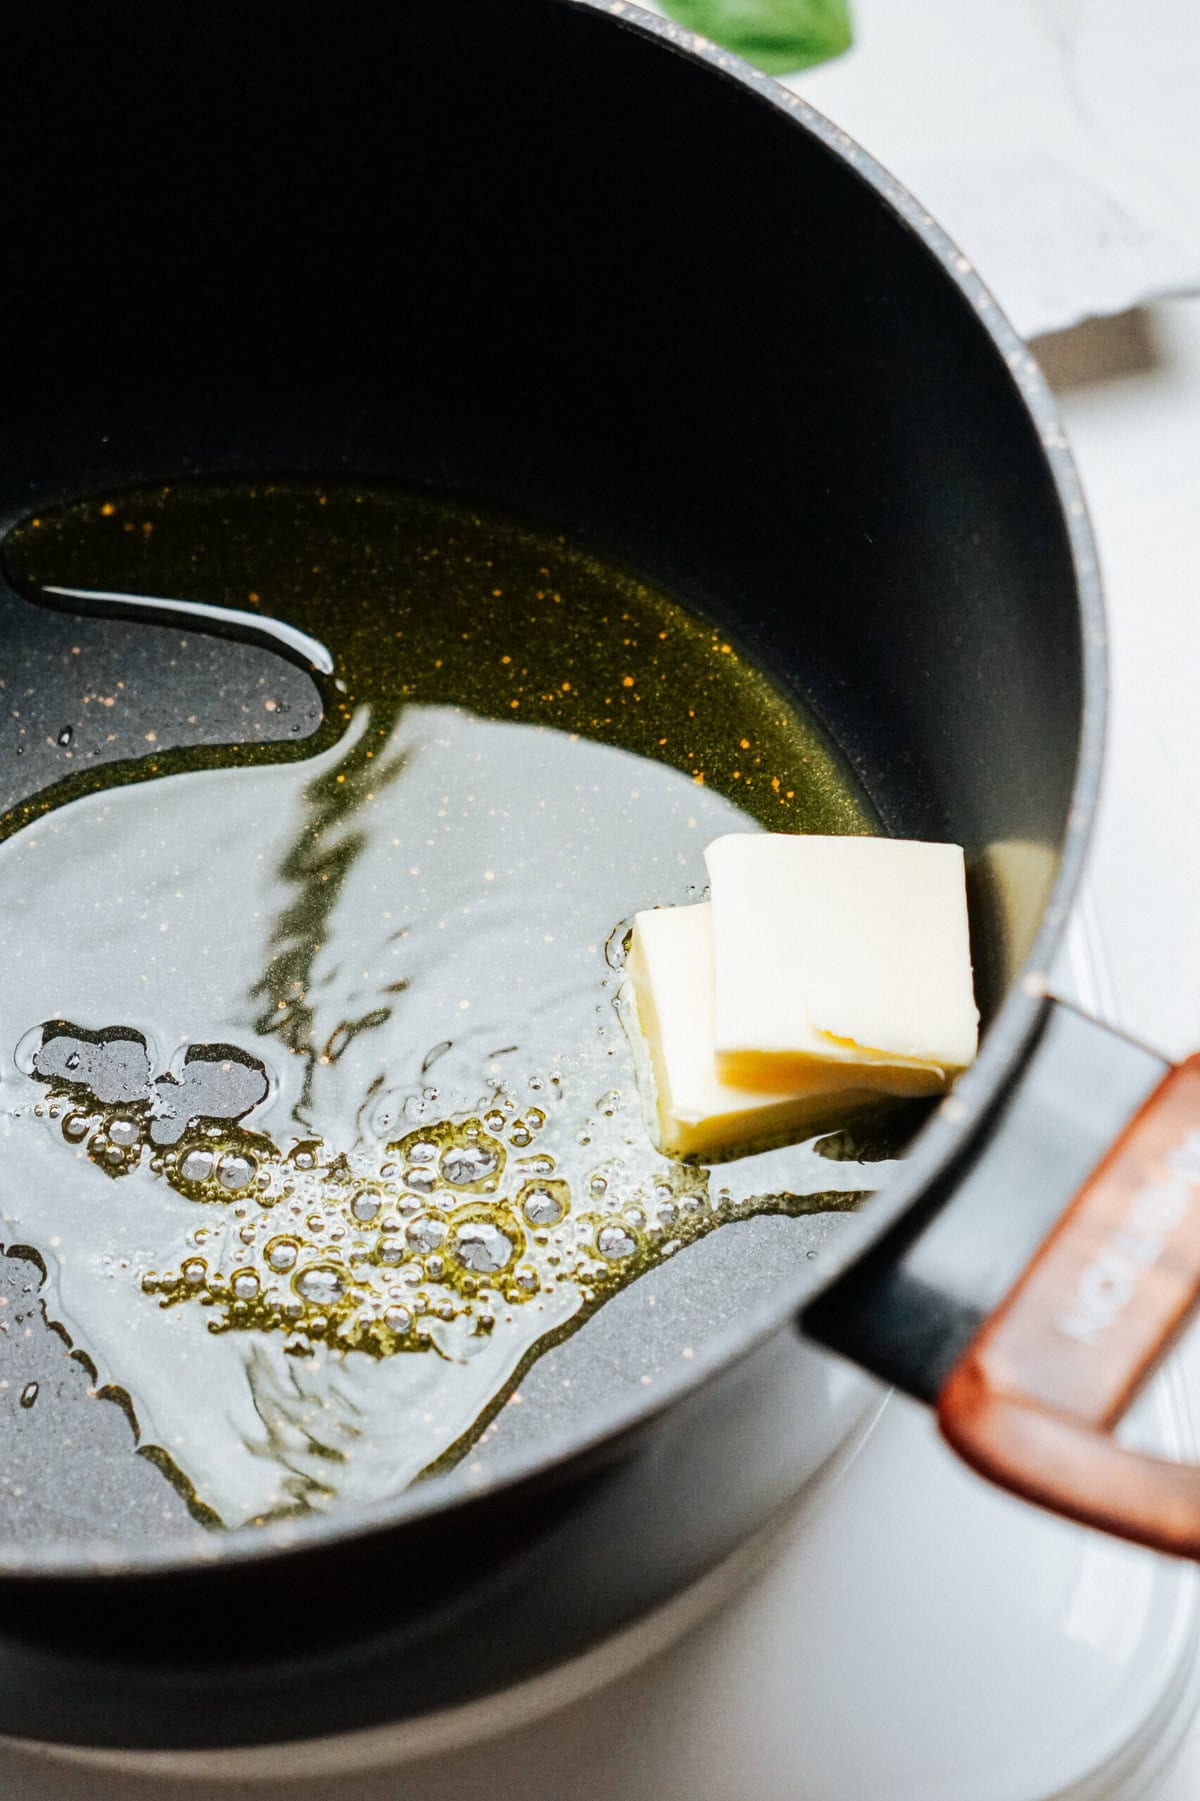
775 35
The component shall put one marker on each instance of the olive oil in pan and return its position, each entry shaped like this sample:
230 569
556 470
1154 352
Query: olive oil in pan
316 1101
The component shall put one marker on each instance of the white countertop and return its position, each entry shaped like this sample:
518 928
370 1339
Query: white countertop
1130 391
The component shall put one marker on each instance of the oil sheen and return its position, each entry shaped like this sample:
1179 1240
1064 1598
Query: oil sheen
315 1098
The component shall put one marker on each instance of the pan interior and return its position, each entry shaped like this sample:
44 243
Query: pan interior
321 1126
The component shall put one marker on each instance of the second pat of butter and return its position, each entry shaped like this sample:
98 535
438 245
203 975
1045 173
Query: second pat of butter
840 951
670 966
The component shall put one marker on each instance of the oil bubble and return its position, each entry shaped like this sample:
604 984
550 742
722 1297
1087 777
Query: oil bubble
425 1233
281 1254
245 1284
398 1320
236 1171
481 1246
465 1164
615 1242
29 1394
544 1203
197 1166
365 1206
124 1131
194 1271
319 1283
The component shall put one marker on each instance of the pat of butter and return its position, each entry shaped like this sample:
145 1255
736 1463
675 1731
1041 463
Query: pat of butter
840 951
670 967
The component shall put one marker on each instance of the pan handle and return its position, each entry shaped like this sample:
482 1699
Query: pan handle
1028 1328
1033 1401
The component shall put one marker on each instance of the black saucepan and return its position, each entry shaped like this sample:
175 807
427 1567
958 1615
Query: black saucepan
559 255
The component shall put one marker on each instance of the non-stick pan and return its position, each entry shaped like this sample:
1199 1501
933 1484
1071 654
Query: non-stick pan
563 257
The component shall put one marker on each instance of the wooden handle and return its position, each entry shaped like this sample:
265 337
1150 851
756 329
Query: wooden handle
1034 1399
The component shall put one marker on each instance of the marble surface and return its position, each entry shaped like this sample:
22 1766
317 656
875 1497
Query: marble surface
1130 393
1052 138
733 1694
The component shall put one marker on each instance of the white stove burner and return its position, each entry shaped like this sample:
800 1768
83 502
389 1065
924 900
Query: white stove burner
909 1635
